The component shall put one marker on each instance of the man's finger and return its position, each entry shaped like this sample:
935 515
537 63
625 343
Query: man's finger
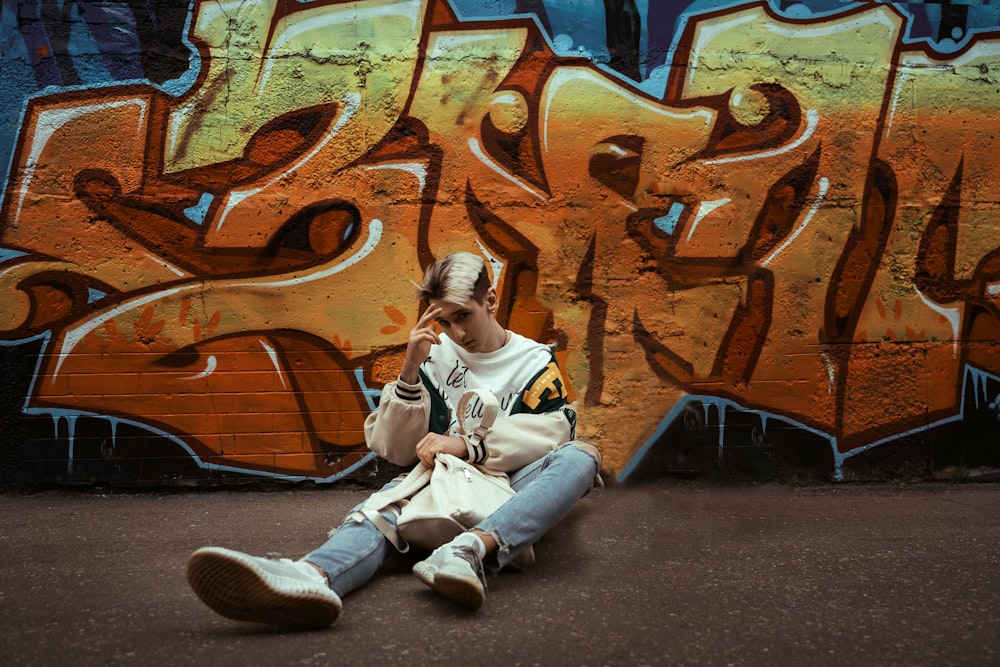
428 315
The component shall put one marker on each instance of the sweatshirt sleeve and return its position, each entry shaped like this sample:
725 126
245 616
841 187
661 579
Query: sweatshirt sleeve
541 421
523 438
401 420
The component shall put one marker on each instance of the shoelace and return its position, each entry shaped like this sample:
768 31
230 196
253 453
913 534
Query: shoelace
470 556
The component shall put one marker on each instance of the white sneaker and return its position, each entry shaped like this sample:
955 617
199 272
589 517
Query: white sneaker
456 572
261 590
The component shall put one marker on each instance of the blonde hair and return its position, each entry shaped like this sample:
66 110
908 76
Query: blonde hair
456 278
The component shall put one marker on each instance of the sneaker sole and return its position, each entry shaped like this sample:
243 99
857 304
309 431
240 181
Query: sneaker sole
461 590
425 573
465 591
237 589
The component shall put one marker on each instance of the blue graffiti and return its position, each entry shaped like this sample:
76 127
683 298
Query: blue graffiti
52 45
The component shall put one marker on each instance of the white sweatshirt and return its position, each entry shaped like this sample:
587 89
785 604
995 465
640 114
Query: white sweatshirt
534 416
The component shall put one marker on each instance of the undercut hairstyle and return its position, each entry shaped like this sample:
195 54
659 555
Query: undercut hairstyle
456 278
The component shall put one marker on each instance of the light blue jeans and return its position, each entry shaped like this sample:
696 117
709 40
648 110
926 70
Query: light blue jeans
546 491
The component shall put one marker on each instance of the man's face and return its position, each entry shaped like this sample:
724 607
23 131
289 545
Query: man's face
470 324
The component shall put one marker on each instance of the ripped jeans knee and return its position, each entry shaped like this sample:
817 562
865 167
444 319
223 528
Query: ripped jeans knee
546 492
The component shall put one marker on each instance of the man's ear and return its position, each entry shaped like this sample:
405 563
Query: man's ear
492 300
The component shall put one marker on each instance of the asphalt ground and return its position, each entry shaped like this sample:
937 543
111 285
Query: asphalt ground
662 573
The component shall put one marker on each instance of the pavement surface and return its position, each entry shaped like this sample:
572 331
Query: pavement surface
663 573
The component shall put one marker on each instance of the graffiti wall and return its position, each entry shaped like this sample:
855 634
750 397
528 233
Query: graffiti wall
760 235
